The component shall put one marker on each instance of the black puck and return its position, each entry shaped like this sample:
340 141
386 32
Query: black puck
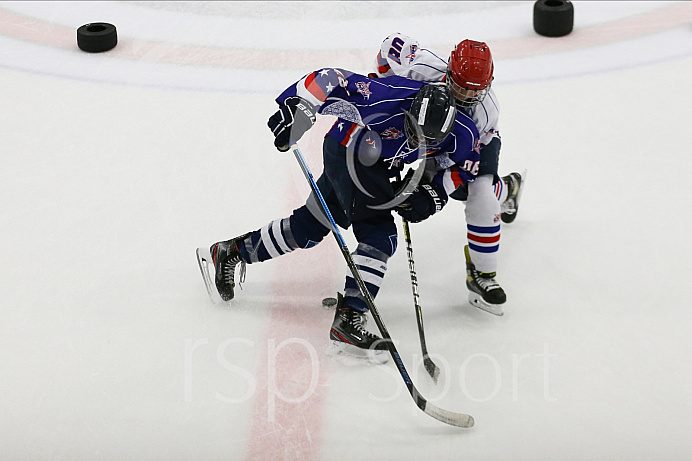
329 303
553 18
96 37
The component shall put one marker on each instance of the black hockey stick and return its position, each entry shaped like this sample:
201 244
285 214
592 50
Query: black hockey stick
432 369
449 417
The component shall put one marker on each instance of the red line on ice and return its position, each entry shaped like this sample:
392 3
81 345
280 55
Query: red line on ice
282 429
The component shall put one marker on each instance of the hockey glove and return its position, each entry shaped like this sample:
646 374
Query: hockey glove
425 201
294 117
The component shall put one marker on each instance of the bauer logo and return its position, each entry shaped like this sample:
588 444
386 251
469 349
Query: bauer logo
306 111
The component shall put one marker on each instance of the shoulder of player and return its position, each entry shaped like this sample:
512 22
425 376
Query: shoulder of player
491 102
395 81
431 55
464 122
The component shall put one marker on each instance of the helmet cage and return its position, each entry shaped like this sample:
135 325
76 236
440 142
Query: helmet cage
470 72
415 136
466 96
425 129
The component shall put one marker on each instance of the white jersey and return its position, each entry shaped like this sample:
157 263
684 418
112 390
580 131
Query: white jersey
401 55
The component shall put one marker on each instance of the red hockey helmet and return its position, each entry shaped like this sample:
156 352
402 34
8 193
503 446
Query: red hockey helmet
470 72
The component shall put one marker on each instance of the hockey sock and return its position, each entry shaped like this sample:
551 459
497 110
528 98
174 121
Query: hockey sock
501 190
483 224
377 242
281 236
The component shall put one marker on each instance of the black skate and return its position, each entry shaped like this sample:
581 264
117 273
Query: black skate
224 257
484 292
515 185
349 336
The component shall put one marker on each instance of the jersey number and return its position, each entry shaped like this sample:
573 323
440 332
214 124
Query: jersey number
471 167
395 50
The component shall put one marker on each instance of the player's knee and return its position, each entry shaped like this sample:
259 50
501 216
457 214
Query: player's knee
304 230
482 207
379 233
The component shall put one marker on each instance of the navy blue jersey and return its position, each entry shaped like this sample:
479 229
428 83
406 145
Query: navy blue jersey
372 110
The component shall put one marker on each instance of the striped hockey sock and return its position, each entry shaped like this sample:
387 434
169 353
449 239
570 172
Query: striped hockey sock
484 243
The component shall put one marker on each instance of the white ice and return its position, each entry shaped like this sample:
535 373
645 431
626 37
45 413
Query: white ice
116 166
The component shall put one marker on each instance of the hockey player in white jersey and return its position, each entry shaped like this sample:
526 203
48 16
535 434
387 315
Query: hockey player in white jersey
489 199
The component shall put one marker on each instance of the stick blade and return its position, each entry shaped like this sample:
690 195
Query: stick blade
432 369
449 417
440 414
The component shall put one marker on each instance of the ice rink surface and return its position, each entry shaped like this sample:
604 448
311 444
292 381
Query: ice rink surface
116 166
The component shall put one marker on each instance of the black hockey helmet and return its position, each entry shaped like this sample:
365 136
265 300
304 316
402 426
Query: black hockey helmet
431 116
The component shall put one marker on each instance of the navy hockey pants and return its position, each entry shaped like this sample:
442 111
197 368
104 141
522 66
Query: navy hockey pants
349 192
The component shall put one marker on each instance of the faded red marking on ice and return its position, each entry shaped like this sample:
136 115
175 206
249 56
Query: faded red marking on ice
45 33
281 428
598 35
288 407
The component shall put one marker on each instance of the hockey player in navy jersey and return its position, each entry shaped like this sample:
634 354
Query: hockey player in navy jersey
381 125
489 199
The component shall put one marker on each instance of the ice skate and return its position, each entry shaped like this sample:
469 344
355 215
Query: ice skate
484 292
349 336
515 185
205 264
224 259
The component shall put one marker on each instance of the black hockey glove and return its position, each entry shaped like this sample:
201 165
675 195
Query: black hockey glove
425 201
294 117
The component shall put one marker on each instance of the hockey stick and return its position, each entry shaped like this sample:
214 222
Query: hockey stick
430 366
449 417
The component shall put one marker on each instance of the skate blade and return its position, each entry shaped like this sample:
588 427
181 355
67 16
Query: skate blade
521 189
204 262
349 354
523 183
477 301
